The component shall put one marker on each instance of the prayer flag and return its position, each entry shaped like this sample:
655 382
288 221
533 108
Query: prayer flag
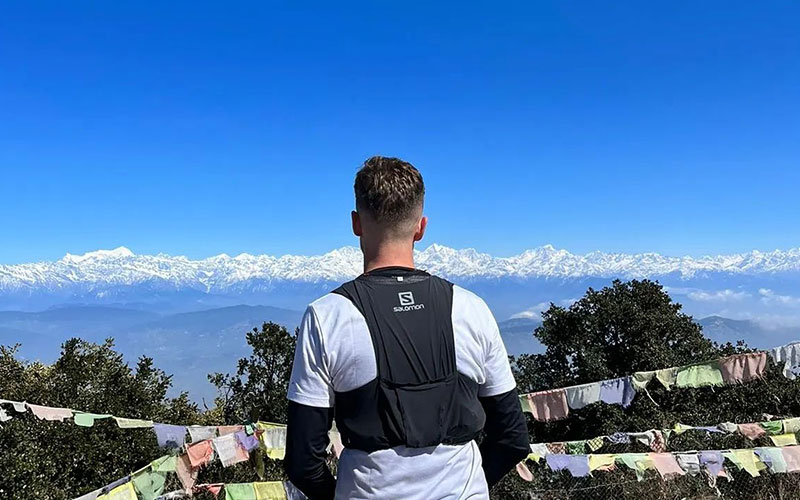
87 419
133 423
240 491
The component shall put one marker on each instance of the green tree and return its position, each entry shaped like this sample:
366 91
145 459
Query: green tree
626 327
258 389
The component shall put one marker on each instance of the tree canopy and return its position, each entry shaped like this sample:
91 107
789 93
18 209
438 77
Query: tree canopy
258 389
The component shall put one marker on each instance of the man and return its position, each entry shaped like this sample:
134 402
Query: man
412 367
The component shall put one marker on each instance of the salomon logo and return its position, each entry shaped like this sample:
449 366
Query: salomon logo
407 303
406 298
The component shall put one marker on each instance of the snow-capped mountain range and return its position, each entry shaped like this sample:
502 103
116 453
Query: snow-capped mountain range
759 282
191 315
221 273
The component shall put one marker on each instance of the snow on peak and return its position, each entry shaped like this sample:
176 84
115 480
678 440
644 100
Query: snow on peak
117 253
120 266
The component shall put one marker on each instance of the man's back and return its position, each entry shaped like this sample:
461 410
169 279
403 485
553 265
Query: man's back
337 355
412 366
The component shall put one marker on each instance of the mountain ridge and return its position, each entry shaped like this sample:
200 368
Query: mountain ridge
222 273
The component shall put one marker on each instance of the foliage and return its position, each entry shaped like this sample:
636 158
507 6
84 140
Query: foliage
258 390
55 460
624 328
628 327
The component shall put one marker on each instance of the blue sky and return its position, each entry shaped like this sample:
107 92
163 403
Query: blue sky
197 128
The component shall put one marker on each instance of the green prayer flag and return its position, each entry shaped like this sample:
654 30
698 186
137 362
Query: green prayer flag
699 375
149 484
772 427
167 463
576 447
240 491
87 419
638 462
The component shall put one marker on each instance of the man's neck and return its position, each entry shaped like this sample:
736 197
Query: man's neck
388 256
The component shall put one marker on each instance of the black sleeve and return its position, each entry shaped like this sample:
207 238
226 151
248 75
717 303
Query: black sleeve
306 445
506 441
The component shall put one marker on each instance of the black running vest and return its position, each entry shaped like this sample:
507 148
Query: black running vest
418 398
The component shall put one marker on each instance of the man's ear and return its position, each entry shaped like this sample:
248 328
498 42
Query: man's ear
356 220
420 232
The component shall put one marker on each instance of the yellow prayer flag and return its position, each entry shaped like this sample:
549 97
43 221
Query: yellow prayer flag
124 492
744 459
784 439
271 490
603 461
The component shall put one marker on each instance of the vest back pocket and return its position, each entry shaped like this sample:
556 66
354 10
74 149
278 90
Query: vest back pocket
423 408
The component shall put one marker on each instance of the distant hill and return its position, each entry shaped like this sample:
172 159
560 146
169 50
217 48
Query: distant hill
211 320
42 333
82 316
191 345
722 330
518 336
187 345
